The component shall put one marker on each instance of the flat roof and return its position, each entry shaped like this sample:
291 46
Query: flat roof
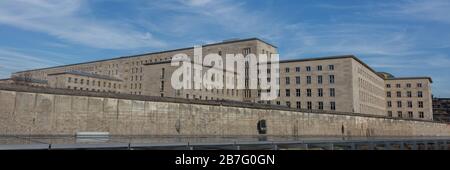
410 78
153 53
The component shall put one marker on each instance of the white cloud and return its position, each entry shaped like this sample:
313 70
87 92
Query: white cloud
60 18
13 60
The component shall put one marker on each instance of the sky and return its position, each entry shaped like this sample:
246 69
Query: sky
402 37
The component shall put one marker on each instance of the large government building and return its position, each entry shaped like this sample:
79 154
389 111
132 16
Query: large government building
335 83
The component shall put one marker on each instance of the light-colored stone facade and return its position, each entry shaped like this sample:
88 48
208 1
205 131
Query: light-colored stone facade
338 83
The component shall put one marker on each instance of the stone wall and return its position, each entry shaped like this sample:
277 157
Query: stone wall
24 111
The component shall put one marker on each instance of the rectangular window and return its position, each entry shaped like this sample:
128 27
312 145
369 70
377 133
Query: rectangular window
319 68
297 69
288 93
408 85
421 115
330 67
308 68
388 85
288 80
389 113
308 79
70 79
409 94
410 114
278 103
297 92
389 104
299 105
75 80
332 92
309 105
419 94
398 85
319 79
419 85
320 105
399 104
331 79
287 70
399 94
400 114
320 92
410 105
308 92
420 104
333 105
297 80
388 94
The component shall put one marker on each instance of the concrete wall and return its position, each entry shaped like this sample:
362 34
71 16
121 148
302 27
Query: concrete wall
25 113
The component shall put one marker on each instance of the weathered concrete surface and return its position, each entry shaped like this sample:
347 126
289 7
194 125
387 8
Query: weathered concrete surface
30 113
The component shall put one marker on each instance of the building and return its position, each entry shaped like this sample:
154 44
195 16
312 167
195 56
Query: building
441 109
336 83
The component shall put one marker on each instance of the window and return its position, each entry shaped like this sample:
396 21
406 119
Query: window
297 80
410 105
400 114
332 92
398 85
309 105
388 85
408 85
389 113
419 94
420 104
421 115
308 92
331 79
297 92
410 114
319 79
333 105
288 80
278 103
299 105
308 79
297 69
409 94
399 104
288 93
162 73
330 67
388 94
320 105
319 68
308 68
389 104
419 85
288 104
399 94
70 79
320 92
82 81
75 80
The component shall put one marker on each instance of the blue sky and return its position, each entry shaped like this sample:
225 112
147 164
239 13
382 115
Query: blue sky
403 37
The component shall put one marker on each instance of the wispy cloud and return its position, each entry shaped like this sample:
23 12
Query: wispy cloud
61 18
14 60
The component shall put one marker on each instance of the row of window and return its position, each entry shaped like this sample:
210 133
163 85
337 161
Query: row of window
92 89
308 68
320 78
410 114
408 94
408 85
409 104
309 105
298 93
94 83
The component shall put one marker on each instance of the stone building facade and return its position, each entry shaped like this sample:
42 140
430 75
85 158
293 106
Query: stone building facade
337 83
